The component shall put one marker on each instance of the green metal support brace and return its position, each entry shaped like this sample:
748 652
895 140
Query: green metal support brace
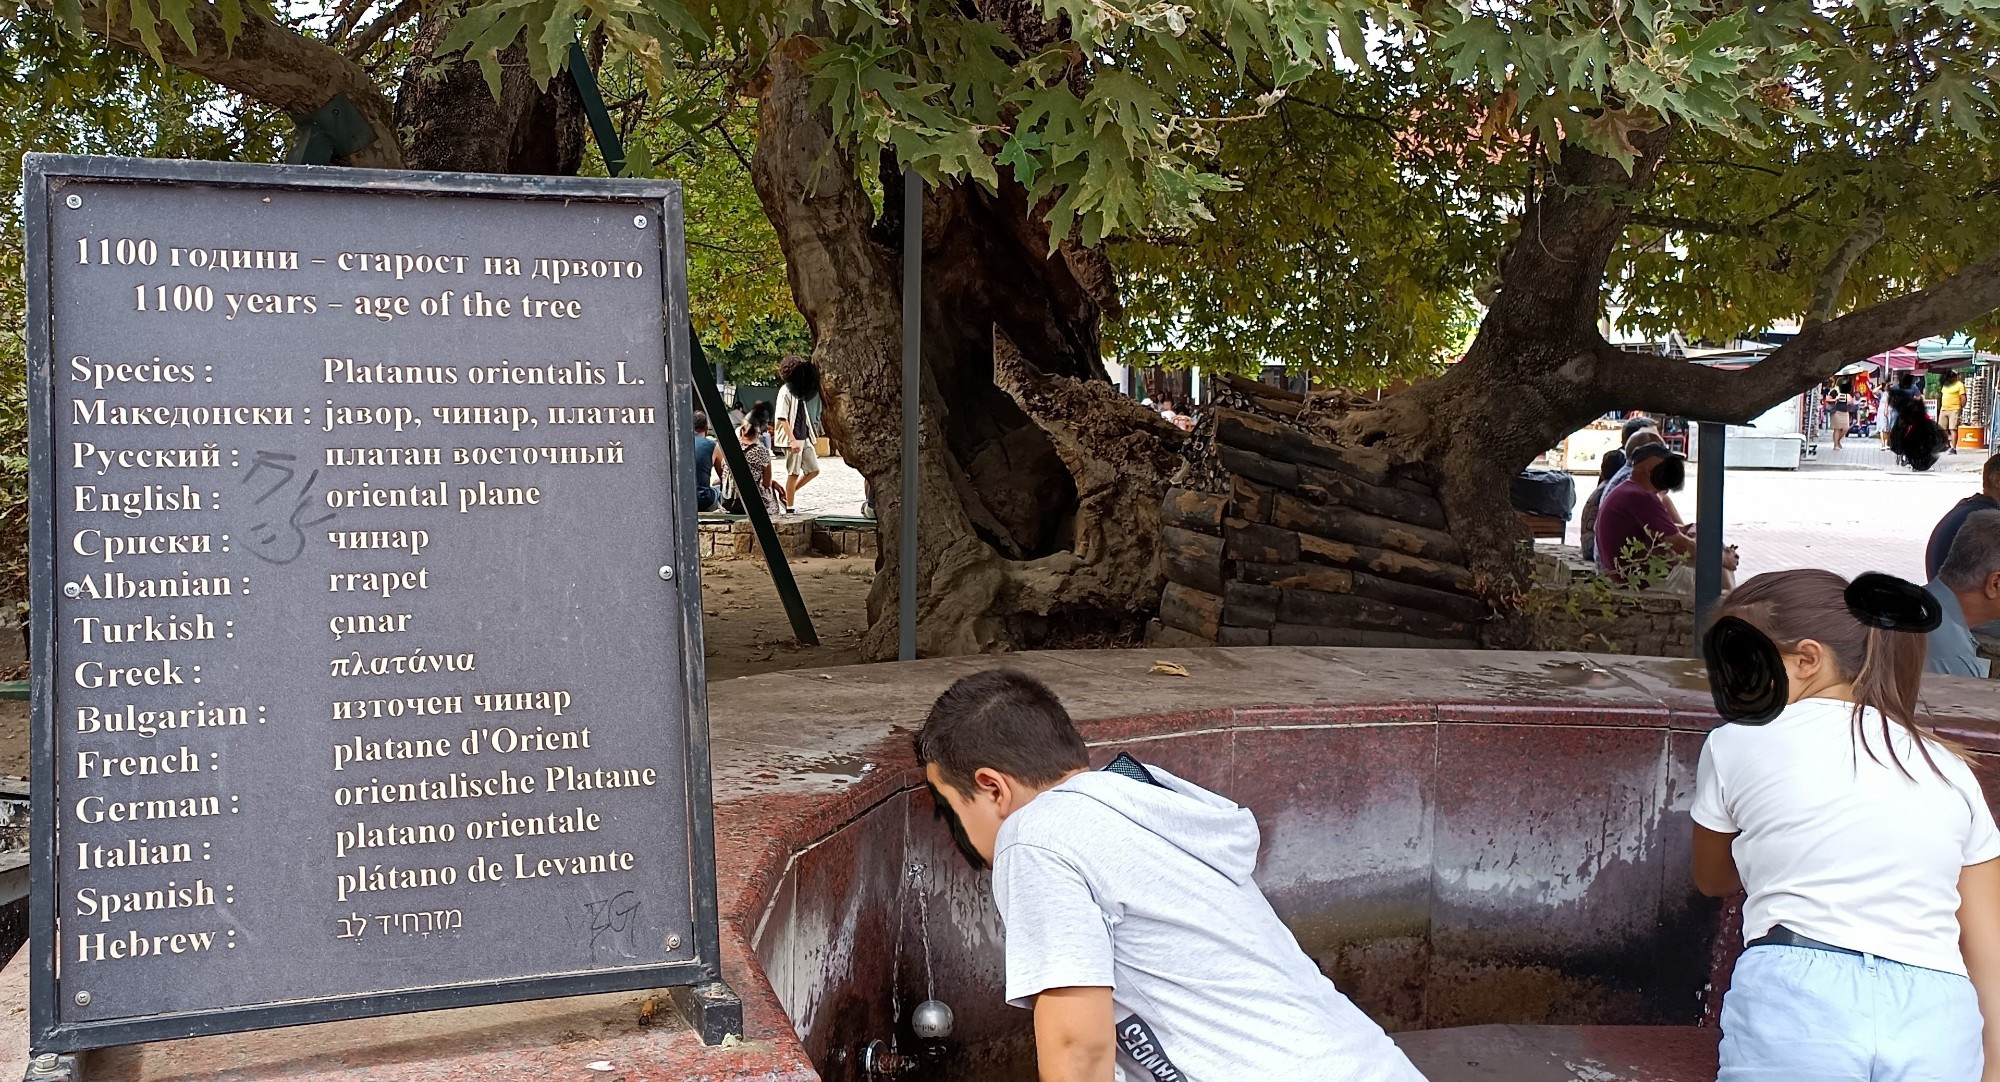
750 488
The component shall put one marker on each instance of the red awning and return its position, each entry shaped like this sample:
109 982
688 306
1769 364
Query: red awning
1896 360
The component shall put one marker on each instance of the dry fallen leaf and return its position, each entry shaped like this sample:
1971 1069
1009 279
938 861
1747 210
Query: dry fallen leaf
1170 668
600 1065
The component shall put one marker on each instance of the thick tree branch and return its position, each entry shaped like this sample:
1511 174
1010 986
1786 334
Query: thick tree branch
267 63
1818 351
1826 291
1676 223
1682 224
380 28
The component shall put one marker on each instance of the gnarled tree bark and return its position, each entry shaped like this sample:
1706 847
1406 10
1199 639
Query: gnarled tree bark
450 119
444 117
269 63
1040 486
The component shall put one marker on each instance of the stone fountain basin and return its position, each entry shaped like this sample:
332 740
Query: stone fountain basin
1487 851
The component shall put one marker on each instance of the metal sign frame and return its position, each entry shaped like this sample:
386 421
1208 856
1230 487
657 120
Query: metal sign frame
43 177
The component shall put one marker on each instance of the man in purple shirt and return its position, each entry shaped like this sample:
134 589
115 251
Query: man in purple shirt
1947 527
1633 524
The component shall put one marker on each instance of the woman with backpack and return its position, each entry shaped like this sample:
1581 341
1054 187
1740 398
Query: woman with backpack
1867 851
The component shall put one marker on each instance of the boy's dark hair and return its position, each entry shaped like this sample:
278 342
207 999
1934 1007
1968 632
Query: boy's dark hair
1003 719
701 422
800 376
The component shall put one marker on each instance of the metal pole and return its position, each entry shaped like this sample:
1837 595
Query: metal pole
913 332
747 487
606 132
1708 524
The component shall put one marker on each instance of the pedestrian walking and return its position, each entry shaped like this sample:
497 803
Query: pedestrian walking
798 423
1951 406
1885 417
1914 437
1840 412
1868 853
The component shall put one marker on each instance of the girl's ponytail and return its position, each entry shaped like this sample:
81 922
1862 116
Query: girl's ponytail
1891 675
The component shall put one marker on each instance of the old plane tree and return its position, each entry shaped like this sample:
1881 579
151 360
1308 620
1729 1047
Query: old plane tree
1369 167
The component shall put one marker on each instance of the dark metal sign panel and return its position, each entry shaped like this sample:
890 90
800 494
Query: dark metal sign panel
367 662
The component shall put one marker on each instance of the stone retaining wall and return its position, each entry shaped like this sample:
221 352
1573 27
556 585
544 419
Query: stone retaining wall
1279 537
798 535
1574 608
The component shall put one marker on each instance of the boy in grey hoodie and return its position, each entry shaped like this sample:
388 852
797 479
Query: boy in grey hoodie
1134 930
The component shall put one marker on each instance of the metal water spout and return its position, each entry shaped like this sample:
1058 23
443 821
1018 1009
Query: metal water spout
931 1021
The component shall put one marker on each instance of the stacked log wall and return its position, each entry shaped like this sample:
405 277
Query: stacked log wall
1295 541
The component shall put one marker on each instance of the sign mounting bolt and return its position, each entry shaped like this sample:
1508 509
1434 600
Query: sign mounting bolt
673 942
47 1061
638 220
83 999
667 573
71 589
73 201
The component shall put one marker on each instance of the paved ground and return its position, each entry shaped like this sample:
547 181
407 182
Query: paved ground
836 491
1855 513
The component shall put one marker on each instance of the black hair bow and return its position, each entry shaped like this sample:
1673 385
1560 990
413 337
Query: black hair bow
1893 604
1746 674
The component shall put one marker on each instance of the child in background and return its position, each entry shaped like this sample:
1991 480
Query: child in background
1872 926
1134 930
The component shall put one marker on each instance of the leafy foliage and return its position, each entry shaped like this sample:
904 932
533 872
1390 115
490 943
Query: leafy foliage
699 130
1339 251
1735 235
1094 116
1371 205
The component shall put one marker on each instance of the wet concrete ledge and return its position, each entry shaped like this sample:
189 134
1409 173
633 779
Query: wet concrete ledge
798 755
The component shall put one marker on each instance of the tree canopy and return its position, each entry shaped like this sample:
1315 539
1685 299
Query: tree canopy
1369 207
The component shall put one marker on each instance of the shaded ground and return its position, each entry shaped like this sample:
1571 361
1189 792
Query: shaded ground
745 627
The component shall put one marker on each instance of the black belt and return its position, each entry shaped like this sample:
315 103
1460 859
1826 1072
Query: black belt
1781 936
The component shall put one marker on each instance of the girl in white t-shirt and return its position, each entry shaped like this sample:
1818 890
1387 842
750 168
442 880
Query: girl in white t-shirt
1868 853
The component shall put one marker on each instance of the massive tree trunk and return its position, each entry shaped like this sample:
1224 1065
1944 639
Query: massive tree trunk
450 119
1538 369
1039 484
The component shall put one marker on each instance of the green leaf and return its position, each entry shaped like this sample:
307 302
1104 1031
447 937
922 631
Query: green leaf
175 13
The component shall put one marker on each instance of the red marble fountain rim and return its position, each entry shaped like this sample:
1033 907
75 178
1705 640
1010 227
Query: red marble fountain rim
797 755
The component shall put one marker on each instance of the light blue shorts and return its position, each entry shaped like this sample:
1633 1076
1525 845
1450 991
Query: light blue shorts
1794 1013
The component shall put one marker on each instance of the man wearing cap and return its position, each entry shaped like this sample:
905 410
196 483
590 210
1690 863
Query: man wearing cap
1633 524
